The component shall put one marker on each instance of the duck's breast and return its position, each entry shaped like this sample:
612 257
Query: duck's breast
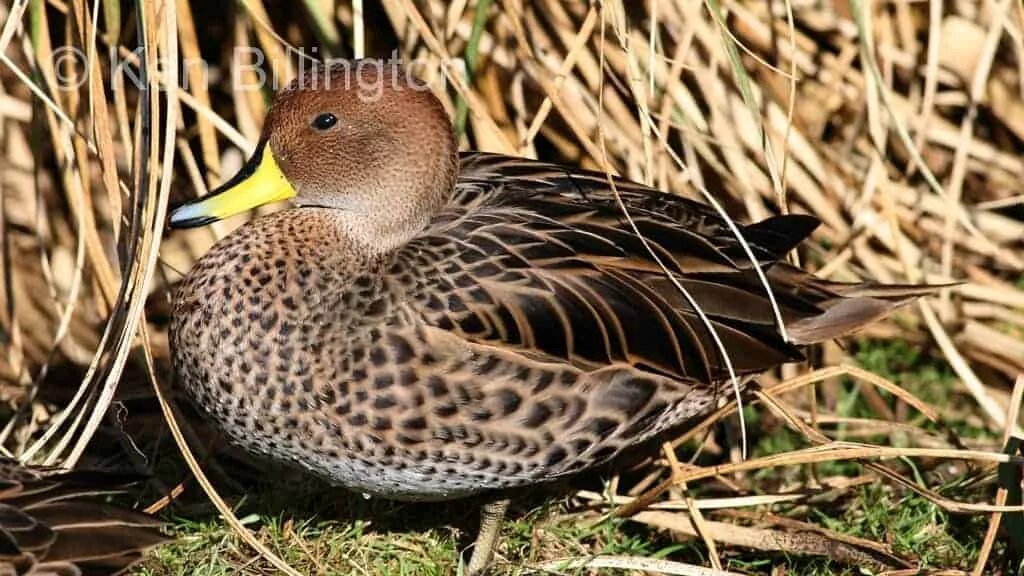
264 328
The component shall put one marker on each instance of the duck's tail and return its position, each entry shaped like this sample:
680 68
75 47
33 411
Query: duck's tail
841 308
59 522
851 306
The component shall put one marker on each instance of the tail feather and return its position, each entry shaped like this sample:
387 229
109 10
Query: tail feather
854 306
843 318
884 291
813 309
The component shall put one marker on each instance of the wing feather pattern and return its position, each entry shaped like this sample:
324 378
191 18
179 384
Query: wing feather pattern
545 262
551 339
54 522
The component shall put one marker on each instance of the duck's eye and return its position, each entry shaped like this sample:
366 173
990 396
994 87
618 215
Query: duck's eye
325 121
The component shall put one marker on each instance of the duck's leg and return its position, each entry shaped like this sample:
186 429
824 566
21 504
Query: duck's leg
491 516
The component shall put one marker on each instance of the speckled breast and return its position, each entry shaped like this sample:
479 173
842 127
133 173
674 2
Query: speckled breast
272 337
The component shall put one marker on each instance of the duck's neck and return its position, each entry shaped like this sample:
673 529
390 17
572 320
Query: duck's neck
379 235
380 227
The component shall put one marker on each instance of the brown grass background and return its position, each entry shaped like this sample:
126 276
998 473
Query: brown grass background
898 123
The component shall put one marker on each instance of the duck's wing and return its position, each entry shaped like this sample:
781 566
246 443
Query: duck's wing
548 279
537 333
814 309
59 523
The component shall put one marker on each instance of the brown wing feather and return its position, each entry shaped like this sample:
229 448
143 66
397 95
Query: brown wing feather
513 273
53 522
691 239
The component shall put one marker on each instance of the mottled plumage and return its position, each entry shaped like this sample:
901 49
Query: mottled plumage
426 326
523 335
58 523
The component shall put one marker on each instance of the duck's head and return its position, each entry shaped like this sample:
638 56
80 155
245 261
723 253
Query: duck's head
360 137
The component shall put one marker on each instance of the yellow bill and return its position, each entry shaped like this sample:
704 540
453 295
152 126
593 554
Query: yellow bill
259 182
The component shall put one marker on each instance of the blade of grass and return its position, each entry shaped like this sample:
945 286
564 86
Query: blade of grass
471 56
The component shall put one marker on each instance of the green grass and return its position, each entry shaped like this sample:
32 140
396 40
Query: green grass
325 531
392 539
344 538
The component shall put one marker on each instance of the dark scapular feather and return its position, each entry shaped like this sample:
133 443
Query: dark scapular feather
559 229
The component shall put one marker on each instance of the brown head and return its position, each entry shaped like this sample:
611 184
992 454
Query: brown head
361 137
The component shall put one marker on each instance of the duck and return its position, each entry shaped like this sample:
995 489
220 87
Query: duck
423 324
58 523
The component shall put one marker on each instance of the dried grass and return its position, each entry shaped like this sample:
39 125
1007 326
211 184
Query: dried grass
897 124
